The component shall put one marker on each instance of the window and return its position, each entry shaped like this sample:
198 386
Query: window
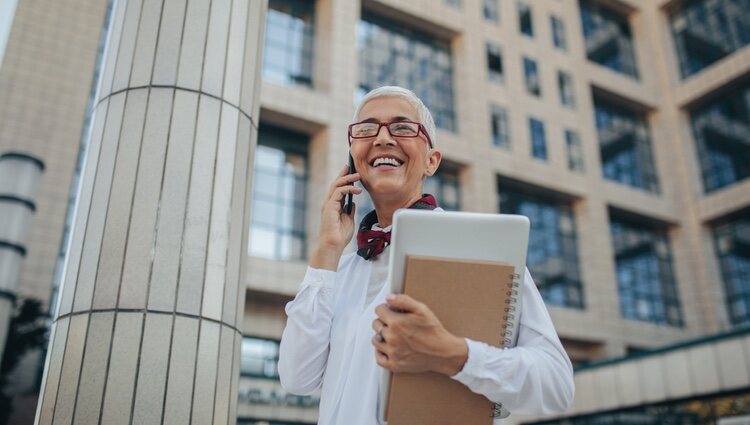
558 33
259 358
500 127
706 31
7 12
446 188
625 146
553 253
525 21
453 3
531 77
575 151
390 54
538 139
645 281
722 133
279 195
608 39
288 50
494 62
565 87
491 10
732 239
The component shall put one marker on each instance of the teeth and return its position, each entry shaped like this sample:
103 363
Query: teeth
385 161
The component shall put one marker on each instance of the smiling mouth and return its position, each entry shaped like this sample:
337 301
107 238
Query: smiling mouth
386 162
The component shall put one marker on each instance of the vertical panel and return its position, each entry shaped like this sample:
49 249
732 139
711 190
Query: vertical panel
193 44
703 369
73 260
234 394
606 386
90 391
126 49
677 374
242 287
181 371
205 374
216 47
250 95
732 370
192 267
145 46
118 395
224 376
172 204
71 367
216 263
628 383
235 52
120 202
142 227
59 334
113 46
168 48
652 379
152 371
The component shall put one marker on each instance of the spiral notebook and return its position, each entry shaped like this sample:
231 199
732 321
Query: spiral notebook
477 238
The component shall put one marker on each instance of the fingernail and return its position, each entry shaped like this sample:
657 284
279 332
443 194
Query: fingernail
390 297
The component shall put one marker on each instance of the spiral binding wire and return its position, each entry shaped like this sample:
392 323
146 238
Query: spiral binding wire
498 411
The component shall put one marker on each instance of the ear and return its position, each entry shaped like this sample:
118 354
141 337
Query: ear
432 161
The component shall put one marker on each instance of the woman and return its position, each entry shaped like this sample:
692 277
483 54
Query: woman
343 325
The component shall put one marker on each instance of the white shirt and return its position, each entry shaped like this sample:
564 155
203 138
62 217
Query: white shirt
327 342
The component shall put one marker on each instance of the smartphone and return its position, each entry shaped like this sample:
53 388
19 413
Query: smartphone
350 196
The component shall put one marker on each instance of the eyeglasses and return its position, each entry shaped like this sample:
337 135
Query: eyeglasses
366 130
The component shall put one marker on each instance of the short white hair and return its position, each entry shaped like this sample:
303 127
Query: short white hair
424 115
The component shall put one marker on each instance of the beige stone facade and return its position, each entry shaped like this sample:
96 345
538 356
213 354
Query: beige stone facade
47 72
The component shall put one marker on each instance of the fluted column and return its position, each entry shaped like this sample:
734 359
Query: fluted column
146 330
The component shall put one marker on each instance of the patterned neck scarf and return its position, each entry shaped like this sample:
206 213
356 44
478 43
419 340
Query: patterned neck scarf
371 243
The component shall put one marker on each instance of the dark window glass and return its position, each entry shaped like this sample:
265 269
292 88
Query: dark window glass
608 39
645 280
553 252
279 195
446 188
525 21
733 249
558 33
705 31
565 87
538 139
500 127
391 54
625 146
531 76
575 151
722 135
288 49
494 62
491 10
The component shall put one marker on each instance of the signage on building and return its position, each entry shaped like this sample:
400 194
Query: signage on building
276 397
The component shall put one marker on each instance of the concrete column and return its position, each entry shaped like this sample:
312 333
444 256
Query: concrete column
146 330
19 180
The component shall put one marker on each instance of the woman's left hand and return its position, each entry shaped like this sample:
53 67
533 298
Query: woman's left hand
410 338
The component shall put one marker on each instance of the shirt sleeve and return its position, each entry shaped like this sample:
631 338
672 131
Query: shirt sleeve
303 352
533 378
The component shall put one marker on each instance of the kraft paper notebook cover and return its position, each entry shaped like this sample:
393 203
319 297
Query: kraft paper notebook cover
470 299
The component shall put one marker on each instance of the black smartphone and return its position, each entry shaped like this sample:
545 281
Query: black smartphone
350 196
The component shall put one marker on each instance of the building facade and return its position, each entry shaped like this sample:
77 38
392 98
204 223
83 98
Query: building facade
621 128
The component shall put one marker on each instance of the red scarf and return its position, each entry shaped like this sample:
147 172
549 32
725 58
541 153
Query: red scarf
371 243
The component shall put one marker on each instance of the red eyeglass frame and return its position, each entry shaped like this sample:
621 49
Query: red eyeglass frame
421 128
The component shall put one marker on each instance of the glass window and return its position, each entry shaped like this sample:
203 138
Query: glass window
558 33
288 47
553 252
538 139
500 127
491 10
531 76
608 39
391 54
722 136
732 240
645 280
575 151
565 87
625 146
7 12
525 21
494 62
706 31
446 188
277 229
259 358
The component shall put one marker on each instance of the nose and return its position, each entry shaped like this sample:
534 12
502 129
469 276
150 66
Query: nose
384 137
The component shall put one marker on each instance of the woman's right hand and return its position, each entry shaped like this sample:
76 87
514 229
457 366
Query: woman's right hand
336 227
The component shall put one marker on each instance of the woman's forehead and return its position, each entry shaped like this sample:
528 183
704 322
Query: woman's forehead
387 109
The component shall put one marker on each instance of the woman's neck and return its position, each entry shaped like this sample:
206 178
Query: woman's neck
385 208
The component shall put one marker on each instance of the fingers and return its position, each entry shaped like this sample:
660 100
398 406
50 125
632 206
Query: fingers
342 179
377 325
403 303
385 314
